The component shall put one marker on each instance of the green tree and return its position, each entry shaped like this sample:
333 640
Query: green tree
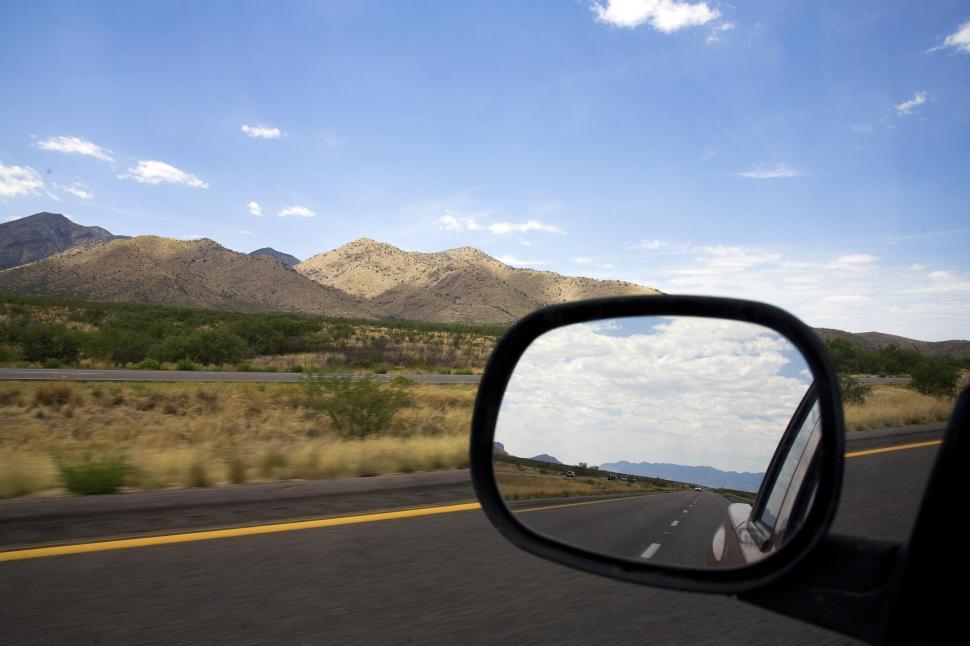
50 342
358 406
853 392
935 376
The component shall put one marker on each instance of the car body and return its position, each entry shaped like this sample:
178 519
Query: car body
752 532
570 474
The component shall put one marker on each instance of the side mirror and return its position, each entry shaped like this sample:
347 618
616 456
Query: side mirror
685 442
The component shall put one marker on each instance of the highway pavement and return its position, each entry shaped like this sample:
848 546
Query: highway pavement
445 577
673 528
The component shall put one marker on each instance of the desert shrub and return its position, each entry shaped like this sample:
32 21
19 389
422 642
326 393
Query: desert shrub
358 407
146 364
185 364
295 368
96 471
51 362
202 346
273 463
42 342
237 469
853 392
935 376
53 395
199 473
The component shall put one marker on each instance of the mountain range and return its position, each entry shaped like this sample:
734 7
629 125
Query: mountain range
48 254
362 279
704 476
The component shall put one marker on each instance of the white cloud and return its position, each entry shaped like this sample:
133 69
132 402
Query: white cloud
853 262
154 172
79 189
299 211
452 222
583 260
511 260
906 107
254 208
525 243
666 16
646 388
770 171
649 245
958 40
243 232
261 132
717 30
19 180
910 299
75 146
523 227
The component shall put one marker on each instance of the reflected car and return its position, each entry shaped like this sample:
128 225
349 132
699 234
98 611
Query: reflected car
751 532
570 474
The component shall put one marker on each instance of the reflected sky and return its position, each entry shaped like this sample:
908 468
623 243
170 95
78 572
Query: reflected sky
681 390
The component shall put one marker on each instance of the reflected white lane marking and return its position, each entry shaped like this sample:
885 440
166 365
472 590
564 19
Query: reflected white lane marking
650 551
675 523
685 511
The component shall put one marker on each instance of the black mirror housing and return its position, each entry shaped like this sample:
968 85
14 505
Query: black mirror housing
829 459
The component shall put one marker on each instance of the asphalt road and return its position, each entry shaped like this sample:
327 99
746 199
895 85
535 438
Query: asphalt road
69 374
447 578
671 528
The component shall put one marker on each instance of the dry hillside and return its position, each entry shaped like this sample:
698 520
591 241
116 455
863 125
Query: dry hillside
461 284
198 273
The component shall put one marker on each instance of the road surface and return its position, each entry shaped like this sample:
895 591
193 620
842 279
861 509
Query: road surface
671 528
444 578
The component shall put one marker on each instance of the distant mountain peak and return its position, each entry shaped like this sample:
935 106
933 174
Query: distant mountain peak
284 258
44 234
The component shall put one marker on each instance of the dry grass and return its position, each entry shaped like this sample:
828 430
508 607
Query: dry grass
189 434
526 483
891 405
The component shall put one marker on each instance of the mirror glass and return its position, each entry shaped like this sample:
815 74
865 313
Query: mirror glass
679 440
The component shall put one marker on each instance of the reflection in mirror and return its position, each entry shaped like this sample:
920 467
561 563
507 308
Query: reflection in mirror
679 440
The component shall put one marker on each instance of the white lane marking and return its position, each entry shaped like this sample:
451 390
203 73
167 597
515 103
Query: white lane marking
650 551
717 545
685 511
675 523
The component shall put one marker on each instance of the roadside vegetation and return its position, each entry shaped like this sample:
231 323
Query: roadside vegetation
522 479
98 437
50 332
888 405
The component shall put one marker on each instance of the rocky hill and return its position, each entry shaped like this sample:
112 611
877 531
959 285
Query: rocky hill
461 284
879 340
197 273
41 235
363 279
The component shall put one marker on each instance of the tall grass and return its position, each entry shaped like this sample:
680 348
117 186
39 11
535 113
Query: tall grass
891 405
189 434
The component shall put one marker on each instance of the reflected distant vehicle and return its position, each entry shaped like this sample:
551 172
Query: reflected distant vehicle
698 489
570 474
751 532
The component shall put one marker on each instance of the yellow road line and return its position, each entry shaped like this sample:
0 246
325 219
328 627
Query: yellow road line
899 447
169 539
254 530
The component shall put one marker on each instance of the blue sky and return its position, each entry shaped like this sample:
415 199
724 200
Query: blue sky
811 156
